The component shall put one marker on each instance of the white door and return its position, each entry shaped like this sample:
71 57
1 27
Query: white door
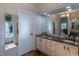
25 42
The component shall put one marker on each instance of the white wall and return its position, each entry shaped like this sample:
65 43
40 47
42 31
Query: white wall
2 41
47 7
38 24
25 41
11 9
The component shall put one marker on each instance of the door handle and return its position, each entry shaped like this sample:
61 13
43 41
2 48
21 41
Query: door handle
31 34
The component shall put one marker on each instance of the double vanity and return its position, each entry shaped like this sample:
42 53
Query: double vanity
64 27
56 46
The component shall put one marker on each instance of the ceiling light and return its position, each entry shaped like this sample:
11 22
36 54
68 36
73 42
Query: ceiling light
68 7
45 13
63 15
67 14
48 14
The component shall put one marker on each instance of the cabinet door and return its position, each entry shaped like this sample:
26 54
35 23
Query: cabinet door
53 48
66 51
73 51
44 45
70 50
59 49
38 43
49 50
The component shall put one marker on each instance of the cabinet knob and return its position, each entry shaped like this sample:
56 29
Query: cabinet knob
50 51
64 47
40 40
78 52
50 45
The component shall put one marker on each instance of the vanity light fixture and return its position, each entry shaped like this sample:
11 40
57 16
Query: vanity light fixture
67 14
68 8
63 15
45 13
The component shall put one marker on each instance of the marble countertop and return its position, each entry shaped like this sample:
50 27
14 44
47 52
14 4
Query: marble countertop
59 39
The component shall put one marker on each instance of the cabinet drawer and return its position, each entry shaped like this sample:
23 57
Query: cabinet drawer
49 41
51 52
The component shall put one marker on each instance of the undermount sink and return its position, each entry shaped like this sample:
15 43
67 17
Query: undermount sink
69 41
50 38
44 36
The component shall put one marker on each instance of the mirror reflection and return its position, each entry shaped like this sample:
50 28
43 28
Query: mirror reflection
75 23
8 29
11 31
64 25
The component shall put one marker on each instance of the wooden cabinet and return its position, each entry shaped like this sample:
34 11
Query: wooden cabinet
66 51
44 45
41 44
59 49
49 47
38 43
73 51
54 48
70 50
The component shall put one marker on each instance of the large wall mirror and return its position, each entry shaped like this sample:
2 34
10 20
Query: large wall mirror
64 25
11 30
74 24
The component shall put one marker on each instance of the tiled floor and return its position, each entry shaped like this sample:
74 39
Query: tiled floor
34 53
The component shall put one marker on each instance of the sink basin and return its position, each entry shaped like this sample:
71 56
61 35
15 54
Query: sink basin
44 36
50 38
68 41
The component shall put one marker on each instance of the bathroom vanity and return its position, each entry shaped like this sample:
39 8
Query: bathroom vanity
56 46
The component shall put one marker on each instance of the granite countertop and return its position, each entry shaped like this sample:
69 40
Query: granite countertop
58 39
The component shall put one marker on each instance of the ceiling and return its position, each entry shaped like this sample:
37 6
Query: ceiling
45 7
53 8
34 7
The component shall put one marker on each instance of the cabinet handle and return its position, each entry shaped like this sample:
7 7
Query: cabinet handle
64 47
50 45
67 48
40 40
78 52
50 51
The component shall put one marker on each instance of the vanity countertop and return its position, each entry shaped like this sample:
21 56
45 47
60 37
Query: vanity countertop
59 39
